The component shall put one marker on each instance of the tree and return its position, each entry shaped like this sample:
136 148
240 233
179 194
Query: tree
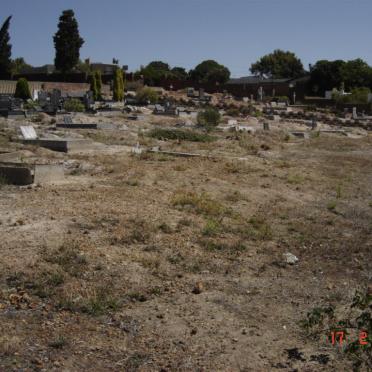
356 74
159 66
5 48
98 79
84 66
93 86
210 72
67 42
326 75
19 65
118 86
154 72
22 89
179 73
279 64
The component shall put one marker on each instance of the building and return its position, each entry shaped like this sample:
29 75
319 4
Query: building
104 68
46 69
260 87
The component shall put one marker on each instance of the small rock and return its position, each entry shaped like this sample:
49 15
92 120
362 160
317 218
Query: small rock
244 331
198 288
290 258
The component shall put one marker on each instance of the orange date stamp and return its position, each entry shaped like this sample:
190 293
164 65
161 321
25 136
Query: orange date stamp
339 338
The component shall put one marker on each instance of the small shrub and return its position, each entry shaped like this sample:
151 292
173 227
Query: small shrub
73 105
209 118
69 258
338 192
201 204
165 228
58 343
256 229
295 179
22 89
211 228
331 206
145 95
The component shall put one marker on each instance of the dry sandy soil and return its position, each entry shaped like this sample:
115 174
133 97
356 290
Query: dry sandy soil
157 263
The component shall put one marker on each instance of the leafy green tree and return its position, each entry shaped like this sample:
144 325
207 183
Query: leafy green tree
326 75
118 91
179 73
209 118
154 72
67 42
279 64
18 65
210 72
22 89
5 48
159 66
356 73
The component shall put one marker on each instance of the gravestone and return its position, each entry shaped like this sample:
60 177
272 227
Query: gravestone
266 126
260 93
28 132
355 115
55 100
232 122
67 120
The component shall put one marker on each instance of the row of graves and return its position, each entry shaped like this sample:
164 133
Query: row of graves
49 102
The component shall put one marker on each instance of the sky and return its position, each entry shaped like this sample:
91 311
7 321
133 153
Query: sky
183 33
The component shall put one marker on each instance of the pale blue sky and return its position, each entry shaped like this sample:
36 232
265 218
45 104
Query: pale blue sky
234 32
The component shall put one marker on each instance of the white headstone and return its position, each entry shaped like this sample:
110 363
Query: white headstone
232 122
355 115
28 132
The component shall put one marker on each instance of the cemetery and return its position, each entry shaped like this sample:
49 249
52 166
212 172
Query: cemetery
155 223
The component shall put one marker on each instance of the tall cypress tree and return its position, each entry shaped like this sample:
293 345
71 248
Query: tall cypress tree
98 77
67 42
5 48
93 86
118 86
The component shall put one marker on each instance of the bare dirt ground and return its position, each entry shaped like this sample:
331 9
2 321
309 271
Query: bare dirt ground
157 263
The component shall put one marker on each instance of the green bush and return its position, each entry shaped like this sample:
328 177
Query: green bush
74 105
146 94
357 96
209 118
22 89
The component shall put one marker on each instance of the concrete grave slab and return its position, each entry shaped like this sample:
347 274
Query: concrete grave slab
60 145
21 174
